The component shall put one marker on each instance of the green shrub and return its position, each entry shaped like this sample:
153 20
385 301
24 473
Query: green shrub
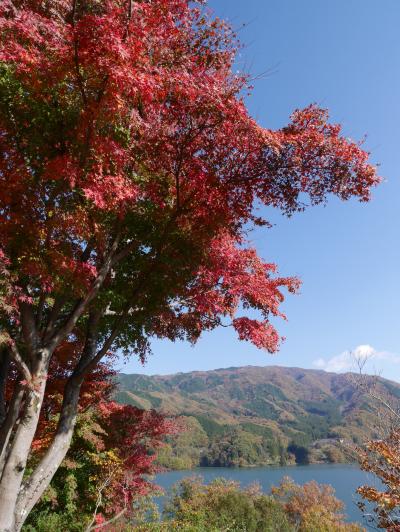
223 506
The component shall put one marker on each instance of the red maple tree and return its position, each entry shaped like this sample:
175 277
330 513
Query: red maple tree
129 172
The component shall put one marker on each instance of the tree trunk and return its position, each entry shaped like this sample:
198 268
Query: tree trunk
15 464
9 422
4 369
40 479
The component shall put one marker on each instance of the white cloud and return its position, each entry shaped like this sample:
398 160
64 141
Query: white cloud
364 354
342 362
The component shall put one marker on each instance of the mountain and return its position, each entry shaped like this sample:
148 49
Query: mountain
259 415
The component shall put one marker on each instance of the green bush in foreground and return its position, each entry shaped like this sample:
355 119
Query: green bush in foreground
223 507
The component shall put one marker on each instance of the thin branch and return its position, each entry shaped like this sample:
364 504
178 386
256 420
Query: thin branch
78 73
74 3
89 365
128 19
60 300
124 252
89 349
54 314
381 400
83 303
368 385
17 358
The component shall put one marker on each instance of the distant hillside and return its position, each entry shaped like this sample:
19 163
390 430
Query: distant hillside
258 415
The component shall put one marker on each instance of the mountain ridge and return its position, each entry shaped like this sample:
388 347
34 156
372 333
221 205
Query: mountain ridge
249 366
253 415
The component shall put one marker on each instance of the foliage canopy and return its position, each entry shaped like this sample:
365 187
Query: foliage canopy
129 171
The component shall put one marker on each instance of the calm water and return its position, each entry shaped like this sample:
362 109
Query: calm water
344 478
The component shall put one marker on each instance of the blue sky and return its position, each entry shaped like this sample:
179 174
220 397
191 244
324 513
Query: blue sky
344 55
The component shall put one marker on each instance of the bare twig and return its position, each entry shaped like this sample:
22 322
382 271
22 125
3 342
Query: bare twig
99 500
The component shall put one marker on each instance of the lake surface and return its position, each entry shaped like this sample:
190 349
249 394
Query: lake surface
344 478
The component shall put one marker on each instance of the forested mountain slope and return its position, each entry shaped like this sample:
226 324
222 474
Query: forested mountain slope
259 415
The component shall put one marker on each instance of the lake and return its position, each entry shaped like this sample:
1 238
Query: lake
345 478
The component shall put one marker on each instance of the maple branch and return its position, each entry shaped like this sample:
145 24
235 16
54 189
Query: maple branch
29 330
54 314
177 182
76 57
89 349
131 246
39 314
78 73
124 252
120 320
84 366
74 3
88 365
188 139
128 19
125 36
60 300
83 303
17 358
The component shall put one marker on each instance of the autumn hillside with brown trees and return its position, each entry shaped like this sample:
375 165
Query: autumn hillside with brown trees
260 415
